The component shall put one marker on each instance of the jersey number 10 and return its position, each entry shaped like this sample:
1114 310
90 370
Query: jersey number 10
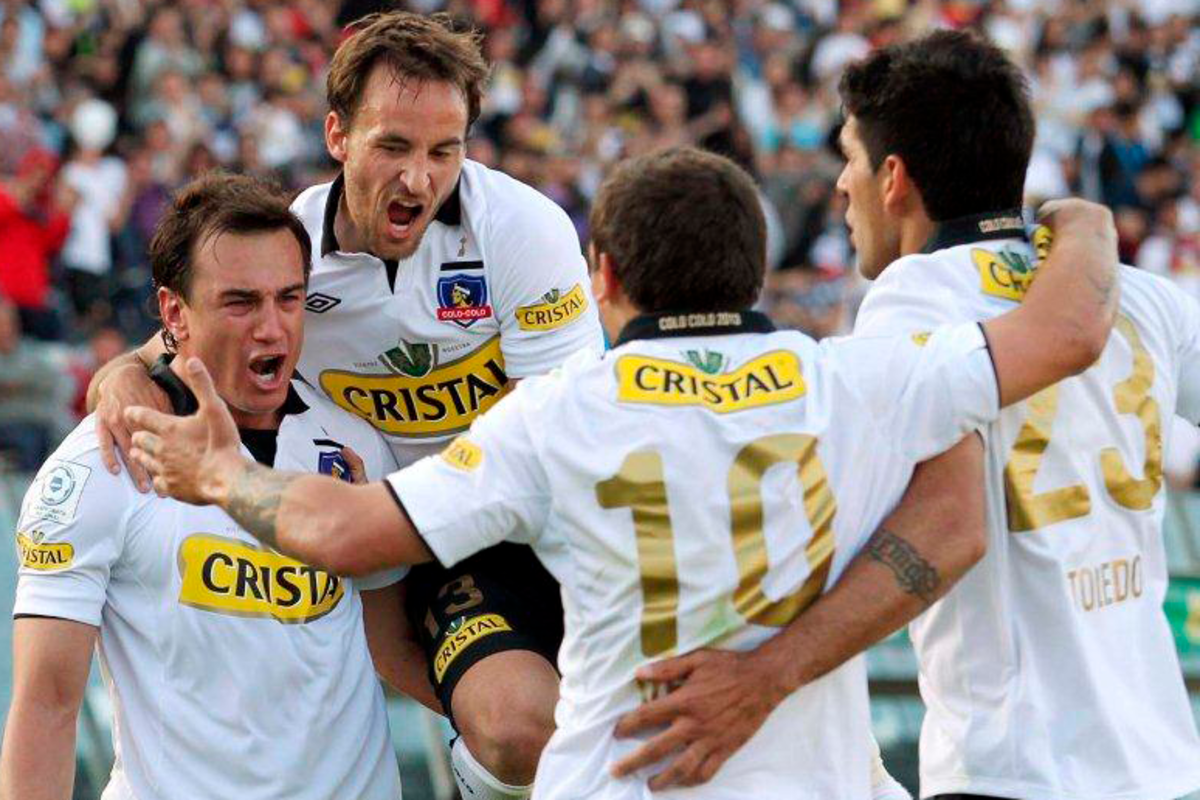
639 486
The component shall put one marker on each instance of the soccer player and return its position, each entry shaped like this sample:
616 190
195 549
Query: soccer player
233 671
1049 672
436 283
703 482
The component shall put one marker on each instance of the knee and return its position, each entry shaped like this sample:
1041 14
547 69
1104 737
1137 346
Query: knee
507 737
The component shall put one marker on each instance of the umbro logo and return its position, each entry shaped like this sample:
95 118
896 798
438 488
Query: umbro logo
320 303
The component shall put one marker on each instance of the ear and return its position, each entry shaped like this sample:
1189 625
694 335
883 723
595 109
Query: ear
171 310
606 286
335 137
898 190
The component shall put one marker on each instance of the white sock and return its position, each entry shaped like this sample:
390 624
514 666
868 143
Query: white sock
475 782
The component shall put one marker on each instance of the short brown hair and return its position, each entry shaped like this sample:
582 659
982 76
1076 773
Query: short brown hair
413 46
685 229
212 204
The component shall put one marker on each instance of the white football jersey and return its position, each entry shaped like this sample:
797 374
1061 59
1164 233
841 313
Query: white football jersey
700 485
1049 671
233 671
498 289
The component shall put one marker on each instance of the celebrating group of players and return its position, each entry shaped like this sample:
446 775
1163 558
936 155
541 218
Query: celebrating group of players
639 569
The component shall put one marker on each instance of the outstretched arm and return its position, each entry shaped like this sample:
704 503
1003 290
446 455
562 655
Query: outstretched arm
343 528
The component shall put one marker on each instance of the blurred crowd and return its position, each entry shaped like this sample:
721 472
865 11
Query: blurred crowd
106 106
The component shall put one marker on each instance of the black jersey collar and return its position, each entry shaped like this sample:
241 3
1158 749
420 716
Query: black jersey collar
449 214
702 323
183 402
1004 224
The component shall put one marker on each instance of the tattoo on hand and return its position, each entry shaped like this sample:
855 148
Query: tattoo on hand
254 501
914 574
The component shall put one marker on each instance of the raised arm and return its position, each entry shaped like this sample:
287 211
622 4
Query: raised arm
1063 324
51 658
344 528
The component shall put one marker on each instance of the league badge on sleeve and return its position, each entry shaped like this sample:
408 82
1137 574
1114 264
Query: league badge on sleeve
463 299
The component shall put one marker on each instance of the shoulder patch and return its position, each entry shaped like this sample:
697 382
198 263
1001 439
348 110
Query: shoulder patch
43 556
463 454
55 496
555 310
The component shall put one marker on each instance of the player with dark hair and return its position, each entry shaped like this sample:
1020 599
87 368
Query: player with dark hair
437 283
1049 672
703 482
233 671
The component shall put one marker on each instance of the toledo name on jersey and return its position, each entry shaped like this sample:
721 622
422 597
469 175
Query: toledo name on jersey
497 290
1049 670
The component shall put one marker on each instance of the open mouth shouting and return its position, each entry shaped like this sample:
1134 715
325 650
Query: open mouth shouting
403 216
266 371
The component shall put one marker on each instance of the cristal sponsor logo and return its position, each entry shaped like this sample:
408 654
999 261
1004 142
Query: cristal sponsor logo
771 378
554 311
463 454
441 401
461 634
921 339
43 557
1006 275
228 576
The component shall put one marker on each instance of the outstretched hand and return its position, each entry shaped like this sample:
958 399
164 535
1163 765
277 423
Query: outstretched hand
189 458
721 698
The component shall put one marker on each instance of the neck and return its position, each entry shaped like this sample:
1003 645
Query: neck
348 237
915 231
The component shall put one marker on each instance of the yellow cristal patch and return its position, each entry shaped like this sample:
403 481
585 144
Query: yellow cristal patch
771 378
470 632
235 578
44 557
463 454
548 316
443 402
921 339
997 279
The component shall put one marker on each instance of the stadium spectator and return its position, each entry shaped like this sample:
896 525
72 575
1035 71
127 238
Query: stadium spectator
34 389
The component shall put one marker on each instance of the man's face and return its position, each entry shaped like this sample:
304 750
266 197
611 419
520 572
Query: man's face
874 236
401 156
245 319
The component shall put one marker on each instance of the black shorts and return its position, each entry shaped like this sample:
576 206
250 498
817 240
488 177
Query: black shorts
499 599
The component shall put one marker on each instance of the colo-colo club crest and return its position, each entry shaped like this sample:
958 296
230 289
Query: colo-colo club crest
463 299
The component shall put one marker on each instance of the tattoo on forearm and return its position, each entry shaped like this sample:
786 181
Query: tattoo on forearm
913 573
254 501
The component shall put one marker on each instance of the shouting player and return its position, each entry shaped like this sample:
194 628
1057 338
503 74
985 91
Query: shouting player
1049 672
436 283
233 671
702 482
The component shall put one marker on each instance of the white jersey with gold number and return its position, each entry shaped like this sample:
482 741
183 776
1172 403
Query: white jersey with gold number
498 289
234 672
700 486
1049 671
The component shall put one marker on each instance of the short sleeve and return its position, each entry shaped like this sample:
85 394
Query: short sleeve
541 286
926 390
1187 405
913 295
69 537
486 487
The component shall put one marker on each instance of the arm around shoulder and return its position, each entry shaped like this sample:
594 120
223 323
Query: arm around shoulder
1063 324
